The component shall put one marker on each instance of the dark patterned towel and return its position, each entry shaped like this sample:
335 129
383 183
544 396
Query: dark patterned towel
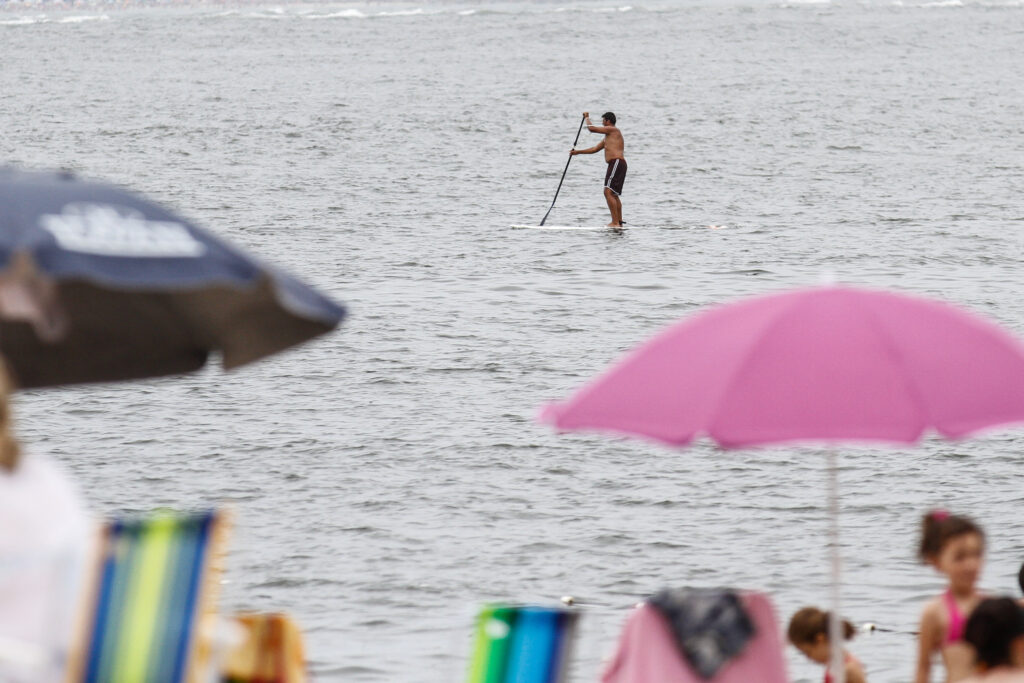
710 626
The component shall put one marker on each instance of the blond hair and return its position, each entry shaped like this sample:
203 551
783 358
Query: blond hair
10 452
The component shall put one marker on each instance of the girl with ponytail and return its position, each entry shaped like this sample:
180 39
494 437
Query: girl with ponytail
955 546
808 632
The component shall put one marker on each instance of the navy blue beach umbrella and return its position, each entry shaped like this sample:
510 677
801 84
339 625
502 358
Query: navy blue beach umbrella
99 284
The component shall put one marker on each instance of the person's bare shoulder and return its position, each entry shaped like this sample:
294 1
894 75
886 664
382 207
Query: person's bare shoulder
933 608
933 620
855 672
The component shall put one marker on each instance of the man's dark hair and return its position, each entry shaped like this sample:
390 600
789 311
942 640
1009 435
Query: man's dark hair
609 116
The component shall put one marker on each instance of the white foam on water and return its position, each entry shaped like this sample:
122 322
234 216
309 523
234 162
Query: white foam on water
83 18
592 10
268 13
402 13
24 21
341 14
940 4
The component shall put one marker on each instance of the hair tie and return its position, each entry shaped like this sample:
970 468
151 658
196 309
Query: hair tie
940 515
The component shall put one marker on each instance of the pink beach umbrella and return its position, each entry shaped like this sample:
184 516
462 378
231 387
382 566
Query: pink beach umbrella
827 365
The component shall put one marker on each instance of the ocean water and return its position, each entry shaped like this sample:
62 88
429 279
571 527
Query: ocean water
389 478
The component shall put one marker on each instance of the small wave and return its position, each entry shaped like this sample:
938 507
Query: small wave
402 13
482 11
23 21
83 18
268 13
341 14
929 5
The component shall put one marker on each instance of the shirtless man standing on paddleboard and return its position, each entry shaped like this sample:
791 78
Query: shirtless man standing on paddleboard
616 173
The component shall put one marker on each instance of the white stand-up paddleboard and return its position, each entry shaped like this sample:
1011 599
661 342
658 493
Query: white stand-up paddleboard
605 227
566 227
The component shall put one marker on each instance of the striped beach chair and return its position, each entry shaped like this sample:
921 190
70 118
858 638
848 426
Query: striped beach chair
149 606
522 644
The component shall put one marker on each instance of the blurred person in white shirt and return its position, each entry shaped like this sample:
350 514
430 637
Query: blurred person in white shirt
44 536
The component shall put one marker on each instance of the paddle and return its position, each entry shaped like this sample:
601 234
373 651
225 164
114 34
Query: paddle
564 172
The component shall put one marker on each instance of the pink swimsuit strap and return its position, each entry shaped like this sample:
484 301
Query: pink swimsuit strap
956 620
847 657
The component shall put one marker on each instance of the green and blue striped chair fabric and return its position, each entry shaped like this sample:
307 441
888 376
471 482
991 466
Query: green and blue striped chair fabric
154 580
524 644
